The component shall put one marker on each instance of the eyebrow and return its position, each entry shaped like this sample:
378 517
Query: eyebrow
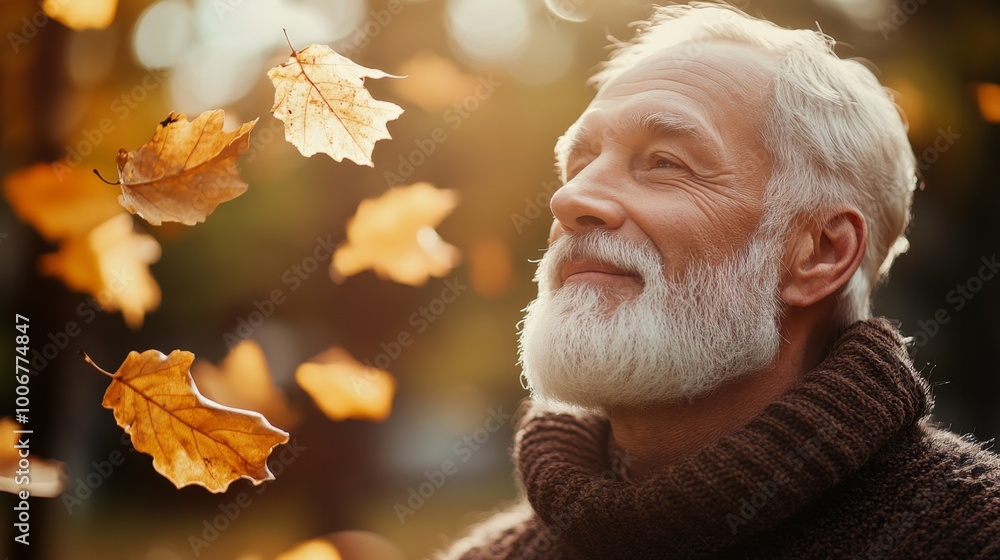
644 122
657 124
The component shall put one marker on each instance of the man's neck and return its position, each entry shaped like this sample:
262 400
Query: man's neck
657 436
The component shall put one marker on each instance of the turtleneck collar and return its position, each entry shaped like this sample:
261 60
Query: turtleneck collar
815 436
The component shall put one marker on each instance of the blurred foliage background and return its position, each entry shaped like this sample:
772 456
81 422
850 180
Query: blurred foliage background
491 84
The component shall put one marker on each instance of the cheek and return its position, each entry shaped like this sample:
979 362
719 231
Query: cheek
690 228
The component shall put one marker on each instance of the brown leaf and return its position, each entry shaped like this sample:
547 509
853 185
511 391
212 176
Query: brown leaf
343 387
394 235
185 170
59 201
111 263
192 440
321 97
243 380
44 478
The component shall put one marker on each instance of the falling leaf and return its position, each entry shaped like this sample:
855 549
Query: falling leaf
81 14
243 380
185 170
343 387
59 200
315 549
44 478
111 263
321 97
394 235
988 96
192 440
433 82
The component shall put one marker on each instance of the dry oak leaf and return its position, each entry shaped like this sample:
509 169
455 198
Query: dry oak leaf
58 200
185 170
42 477
343 387
243 380
111 263
192 440
394 235
321 97
81 14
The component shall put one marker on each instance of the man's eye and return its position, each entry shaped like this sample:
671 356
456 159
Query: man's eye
664 163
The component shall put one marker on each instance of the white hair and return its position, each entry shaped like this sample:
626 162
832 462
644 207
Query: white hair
834 133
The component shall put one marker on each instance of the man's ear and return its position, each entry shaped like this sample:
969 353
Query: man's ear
822 256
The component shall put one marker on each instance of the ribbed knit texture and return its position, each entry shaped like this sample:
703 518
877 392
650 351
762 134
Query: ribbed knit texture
844 465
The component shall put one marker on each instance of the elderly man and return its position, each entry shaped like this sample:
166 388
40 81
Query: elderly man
707 379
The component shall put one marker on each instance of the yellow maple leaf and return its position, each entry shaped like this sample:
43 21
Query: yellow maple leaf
321 97
192 440
59 204
81 14
41 478
243 380
394 235
185 170
343 387
111 263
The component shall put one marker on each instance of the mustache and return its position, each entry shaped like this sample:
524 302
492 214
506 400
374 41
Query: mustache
638 258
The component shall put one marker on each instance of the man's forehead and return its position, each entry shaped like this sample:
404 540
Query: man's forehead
728 63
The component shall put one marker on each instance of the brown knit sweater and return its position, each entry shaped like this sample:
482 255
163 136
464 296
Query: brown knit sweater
844 465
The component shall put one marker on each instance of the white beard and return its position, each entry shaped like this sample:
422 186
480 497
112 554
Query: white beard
678 339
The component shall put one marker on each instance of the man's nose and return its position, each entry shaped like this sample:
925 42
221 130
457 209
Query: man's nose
588 201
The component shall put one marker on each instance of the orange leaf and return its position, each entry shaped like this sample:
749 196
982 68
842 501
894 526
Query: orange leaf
192 440
111 263
44 478
243 380
185 170
59 204
321 97
394 235
81 14
988 96
343 387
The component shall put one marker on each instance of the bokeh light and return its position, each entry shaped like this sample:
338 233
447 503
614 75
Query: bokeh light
488 31
162 34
